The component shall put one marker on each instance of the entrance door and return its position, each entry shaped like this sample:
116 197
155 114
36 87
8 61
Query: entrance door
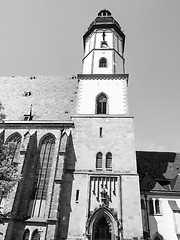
101 230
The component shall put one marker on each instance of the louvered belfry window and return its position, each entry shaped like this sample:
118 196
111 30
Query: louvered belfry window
46 159
99 160
103 62
101 104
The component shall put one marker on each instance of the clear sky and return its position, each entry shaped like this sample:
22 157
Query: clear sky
44 37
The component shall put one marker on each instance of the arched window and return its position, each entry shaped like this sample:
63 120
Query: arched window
157 206
109 161
99 160
26 234
151 207
101 104
14 142
156 238
45 160
35 235
103 62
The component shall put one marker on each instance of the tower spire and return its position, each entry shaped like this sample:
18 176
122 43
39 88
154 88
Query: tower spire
104 39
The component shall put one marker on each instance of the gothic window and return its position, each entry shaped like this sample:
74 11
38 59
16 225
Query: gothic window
101 104
151 207
14 142
26 234
35 235
45 161
109 161
103 62
99 160
156 238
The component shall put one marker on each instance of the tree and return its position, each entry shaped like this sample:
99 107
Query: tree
9 174
2 115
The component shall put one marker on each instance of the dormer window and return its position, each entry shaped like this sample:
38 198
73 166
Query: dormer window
103 62
29 115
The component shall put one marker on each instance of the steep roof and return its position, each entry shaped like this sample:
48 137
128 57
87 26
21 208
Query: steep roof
51 97
159 165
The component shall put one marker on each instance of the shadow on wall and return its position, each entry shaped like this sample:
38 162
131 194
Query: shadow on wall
24 191
159 165
66 190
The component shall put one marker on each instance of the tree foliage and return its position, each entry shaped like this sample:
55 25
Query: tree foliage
9 174
2 115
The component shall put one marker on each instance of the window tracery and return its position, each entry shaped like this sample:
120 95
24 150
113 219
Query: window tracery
99 160
14 142
109 161
101 104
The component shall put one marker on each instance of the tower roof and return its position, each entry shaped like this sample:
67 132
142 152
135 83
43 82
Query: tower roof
104 20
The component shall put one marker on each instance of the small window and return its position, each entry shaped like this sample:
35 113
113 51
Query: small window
101 104
100 132
104 44
99 160
103 63
77 196
154 207
151 207
157 206
109 161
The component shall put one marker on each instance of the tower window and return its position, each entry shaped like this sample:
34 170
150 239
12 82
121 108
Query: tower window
109 161
101 104
103 63
77 196
99 160
100 132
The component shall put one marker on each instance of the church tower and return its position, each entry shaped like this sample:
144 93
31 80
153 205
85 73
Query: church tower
101 195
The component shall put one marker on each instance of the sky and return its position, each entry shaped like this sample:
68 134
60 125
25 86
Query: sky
44 37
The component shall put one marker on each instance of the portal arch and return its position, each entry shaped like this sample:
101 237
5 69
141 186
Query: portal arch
102 224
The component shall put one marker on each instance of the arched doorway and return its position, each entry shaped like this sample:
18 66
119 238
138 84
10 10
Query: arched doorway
101 230
102 225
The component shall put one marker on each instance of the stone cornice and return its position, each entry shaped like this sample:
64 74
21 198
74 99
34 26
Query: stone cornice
36 124
101 116
103 76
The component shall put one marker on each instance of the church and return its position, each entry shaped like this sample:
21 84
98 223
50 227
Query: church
75 149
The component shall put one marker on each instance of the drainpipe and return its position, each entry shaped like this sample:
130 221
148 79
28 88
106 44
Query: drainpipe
121 220
147 216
